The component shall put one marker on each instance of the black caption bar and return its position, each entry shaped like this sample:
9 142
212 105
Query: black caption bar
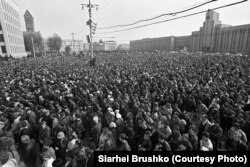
148 159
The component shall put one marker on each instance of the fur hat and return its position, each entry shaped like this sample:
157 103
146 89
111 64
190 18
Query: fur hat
112 125
182 122
95 119
60 135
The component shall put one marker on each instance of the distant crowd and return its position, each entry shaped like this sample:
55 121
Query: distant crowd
58 110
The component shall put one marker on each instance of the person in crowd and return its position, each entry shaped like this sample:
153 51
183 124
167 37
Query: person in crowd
6 161
60 145
44 132
48 151
205 142
236 137
7 144
57 163
122 144
29 151
135 101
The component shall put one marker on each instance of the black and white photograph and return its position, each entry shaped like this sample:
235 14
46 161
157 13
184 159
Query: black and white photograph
86 83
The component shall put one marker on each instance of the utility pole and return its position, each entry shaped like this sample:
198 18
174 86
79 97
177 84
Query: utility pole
73 34
89 23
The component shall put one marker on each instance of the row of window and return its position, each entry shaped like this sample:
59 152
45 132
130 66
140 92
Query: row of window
237 40
10 9
12 20
16 49
15 40
3 48
13 30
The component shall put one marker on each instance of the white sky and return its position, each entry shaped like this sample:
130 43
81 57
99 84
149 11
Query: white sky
66 16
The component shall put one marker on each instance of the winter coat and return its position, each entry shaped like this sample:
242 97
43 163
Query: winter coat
29 153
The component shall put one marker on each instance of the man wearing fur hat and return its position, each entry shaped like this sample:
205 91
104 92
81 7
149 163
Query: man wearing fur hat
60 145
96 130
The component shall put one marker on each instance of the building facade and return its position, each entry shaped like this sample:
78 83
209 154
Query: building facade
104 46
123 47
29 21
152 44
211 37
11 35
216 37
75 45
182 43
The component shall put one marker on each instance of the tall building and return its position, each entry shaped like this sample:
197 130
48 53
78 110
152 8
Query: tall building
216 37
11 36
211 37
29 21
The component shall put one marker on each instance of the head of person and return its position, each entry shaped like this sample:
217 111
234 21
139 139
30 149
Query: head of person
236 125
182 123
60 135
147 135
205 136
58 163
25 139
43 124
47 143
28 110
105 130
4 157
185 137
123 137
204 118
158 147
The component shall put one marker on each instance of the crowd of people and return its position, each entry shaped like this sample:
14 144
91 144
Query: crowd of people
60 110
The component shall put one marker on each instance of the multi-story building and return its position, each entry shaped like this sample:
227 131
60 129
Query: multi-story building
104 46
123 47
152 44
182 43
29 21
86 47
75 45
211 37
32 40
216 37
11 36
109 45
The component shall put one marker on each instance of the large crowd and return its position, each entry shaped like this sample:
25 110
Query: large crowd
60 110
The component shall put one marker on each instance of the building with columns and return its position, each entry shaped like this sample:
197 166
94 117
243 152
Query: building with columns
213 36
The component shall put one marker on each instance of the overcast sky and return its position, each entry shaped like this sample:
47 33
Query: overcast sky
66 16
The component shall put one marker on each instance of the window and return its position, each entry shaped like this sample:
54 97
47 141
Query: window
3 49
0 27
1 38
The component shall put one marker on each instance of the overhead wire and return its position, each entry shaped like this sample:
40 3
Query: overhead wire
158 22
165 14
